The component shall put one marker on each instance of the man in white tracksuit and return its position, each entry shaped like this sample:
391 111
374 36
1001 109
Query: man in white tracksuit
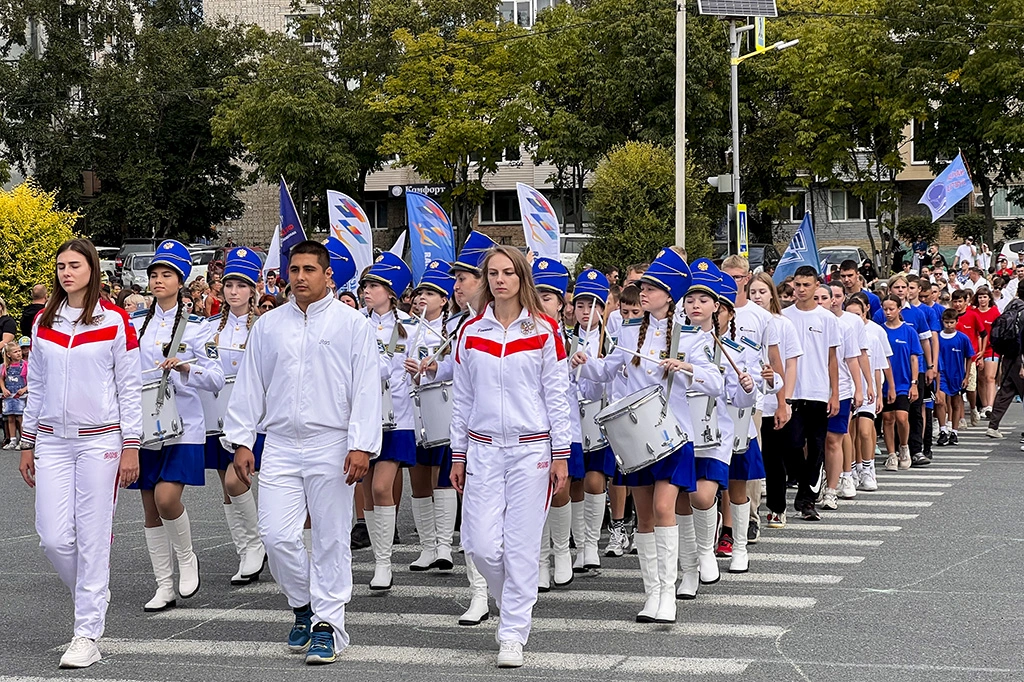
310 378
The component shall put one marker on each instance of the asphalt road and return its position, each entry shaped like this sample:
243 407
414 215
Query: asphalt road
918 581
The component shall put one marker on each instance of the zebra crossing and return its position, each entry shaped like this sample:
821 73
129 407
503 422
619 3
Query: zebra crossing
583 631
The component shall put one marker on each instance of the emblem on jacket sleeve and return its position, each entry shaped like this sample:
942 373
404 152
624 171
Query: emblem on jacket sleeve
211 351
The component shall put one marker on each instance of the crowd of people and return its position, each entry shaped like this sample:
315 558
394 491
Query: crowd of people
526 406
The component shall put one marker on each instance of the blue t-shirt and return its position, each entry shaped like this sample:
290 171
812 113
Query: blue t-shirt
954 351
915 317
874 302
904 342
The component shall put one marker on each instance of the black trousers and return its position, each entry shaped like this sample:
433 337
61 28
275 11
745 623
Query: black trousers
1010 387
810 424
777 451
917 419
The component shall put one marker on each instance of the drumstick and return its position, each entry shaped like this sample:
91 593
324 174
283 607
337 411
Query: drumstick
590 322
721 347
160 369
650 359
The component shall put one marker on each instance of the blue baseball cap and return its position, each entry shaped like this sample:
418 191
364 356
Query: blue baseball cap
438 278
242 263
391 270
343 265
591 283
550 275
174 255
472 254
669 272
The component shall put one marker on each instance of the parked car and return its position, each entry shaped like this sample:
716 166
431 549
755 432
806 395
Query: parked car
835 255
200 264
134 271
762 256
133 246
108 260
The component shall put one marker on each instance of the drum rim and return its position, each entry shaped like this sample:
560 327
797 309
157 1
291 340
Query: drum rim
424 387
649 393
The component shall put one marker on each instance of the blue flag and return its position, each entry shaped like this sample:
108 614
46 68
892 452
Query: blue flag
291 228
430 233
948 188
802 250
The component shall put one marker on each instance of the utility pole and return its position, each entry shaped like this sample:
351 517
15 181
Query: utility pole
680 239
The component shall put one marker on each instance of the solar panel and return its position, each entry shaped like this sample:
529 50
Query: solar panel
738 8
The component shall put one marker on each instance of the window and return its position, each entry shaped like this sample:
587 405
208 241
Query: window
377 213
500 207
301 26
837 206
508 11
918 129
795 213
845 206
512 154
524 15
1002 207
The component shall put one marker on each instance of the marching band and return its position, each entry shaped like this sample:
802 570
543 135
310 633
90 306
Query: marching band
532 426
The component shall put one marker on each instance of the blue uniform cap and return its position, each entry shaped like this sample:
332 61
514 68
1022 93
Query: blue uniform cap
727 292
550 275
669 272
591 283
174 255
438 278
472 254
705 277
242 263
391 270
343 265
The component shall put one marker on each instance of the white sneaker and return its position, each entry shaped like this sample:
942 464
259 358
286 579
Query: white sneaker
616 540
847 489
993 433
904 461
975 417
892 463
855 474
829 500
868 482
81 653
510 655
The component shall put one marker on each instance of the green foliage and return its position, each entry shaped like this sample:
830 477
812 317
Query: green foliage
970 225
917 228
1011 230
31 229
632 199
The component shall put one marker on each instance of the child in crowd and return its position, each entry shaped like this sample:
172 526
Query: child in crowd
15 388
955 355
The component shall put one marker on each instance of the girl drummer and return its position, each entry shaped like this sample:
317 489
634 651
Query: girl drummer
241 271
551 279
167 467
589 297
386 278
81 437
656 487
434 501
510 438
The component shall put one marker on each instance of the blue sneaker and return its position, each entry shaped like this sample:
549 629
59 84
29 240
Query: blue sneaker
321 645
298 638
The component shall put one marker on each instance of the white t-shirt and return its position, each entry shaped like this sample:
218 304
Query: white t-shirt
755 323
974 286
789 347
818 331
879 351
965 252
853 342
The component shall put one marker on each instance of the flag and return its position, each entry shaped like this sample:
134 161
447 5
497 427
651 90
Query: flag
540 224
430 233
350 225
273 261
802 250
948 188
399 245
291 228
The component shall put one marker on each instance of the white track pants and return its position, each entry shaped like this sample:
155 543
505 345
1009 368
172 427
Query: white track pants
76 492
292 481
503 512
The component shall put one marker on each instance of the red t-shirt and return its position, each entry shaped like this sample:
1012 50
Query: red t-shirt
987 318
970 323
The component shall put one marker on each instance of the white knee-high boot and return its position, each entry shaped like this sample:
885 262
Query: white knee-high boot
478 610
423 517
383 543
179 531
705 526
446 506
235 528
688 566
579 534
666 541
560 521
740 522
593 515
647 552
544 577
253 556
161 556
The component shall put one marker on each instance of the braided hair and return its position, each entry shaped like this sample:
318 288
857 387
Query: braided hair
668 336
642 337
250 317
177 320
393 300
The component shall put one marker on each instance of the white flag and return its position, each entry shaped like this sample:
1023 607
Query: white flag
540 224
399 248
273 261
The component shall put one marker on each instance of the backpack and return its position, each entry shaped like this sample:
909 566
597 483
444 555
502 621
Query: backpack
1007 330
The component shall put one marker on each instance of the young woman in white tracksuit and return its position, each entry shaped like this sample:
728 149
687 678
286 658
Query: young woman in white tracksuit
167 467
231 332
434 502
510 438
551 279
387 279
467 290
310 377
656 488
82 425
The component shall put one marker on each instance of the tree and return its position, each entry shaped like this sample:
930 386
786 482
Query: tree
966 62
632 199
969 225
453 106
32 229
917 228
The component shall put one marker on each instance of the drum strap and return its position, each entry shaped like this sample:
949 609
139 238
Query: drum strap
393 343
673 351
179 334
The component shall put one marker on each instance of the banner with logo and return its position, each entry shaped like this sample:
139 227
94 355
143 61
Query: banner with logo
291 228
540 224
349 224
431 236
